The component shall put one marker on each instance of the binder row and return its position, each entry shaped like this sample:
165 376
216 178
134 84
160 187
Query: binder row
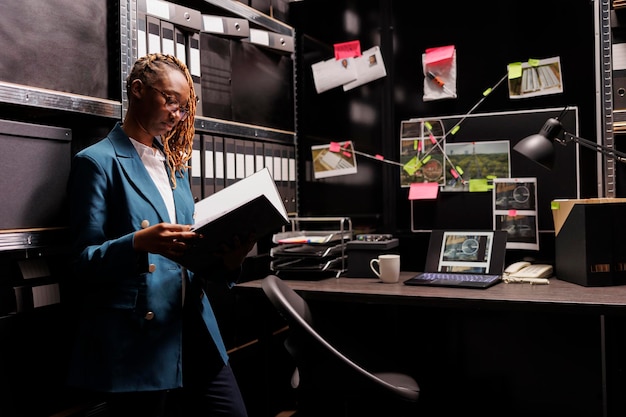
159 35
175 30
218 162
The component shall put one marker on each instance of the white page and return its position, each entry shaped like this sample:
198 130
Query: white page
235 195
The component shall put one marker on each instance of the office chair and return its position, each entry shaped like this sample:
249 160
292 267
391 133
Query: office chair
327 382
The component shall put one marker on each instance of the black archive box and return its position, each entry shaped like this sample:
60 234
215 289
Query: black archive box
360 253
590 244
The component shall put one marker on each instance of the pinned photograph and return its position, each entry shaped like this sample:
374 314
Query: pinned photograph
333 160
535 78
369 67
333 73
421 155
477 160
515 211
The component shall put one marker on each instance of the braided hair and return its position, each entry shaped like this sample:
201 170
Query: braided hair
178 142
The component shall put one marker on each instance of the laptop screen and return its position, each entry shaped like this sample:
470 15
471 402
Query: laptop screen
478 252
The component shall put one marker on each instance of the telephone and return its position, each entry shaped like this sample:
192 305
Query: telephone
525 269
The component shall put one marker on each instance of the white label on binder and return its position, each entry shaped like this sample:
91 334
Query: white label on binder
194 61
158 8
195 164
208 164
260 37
213 24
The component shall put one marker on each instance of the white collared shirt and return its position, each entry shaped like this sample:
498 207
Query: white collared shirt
154 160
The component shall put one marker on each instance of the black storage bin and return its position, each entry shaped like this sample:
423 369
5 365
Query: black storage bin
361 252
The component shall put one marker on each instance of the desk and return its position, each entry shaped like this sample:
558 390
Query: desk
559 295
560 346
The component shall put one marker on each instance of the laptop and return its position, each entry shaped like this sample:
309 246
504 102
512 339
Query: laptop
466 259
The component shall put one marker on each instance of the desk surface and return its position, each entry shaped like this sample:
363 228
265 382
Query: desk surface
558 295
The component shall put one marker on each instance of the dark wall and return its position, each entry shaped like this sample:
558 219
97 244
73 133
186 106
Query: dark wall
337 116
370 115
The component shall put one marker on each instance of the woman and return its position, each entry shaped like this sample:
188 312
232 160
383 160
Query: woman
148 337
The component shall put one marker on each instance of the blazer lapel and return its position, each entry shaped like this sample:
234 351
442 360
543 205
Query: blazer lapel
136 172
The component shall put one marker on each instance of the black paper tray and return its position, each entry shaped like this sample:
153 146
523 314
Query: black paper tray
306 251
308 264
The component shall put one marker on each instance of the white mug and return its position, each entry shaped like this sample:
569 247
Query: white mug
389 266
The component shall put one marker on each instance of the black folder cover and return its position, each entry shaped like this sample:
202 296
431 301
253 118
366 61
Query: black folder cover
251 205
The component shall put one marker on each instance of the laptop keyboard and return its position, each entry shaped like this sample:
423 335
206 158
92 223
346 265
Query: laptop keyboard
454 279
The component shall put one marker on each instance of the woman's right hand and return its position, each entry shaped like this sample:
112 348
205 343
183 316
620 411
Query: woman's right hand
165 239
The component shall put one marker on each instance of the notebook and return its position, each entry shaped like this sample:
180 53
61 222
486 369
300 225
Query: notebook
467 259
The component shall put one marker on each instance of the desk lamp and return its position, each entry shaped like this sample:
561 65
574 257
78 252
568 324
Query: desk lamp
540 146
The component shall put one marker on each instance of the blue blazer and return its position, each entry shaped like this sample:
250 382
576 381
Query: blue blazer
130 332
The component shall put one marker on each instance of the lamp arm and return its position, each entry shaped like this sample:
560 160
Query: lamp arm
606 151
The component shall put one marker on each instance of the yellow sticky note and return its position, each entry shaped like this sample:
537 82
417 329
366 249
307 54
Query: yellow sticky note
412 166
515 70
479 185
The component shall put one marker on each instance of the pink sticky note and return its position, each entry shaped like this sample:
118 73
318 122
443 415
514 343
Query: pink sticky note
347 49
513 213
334 147
382 158
348 154
432 139
438 54
454 173
424 191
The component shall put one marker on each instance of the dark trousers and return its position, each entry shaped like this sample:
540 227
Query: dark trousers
219 397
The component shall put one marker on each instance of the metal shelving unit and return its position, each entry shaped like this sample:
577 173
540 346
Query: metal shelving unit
128 55
604 86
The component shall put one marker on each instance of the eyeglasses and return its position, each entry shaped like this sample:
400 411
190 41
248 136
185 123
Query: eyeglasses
172 104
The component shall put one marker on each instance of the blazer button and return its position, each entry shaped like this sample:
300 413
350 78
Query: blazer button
145 224
151 268
149 315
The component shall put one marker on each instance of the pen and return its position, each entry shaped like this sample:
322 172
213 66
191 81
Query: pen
437 80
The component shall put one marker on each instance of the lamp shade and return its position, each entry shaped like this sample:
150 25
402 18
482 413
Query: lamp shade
540 146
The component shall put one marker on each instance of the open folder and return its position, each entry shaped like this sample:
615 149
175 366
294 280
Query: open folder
251 205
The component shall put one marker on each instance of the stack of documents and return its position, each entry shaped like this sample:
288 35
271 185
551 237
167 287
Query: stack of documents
313 252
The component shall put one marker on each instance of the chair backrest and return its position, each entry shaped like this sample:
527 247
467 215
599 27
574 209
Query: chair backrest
296 312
